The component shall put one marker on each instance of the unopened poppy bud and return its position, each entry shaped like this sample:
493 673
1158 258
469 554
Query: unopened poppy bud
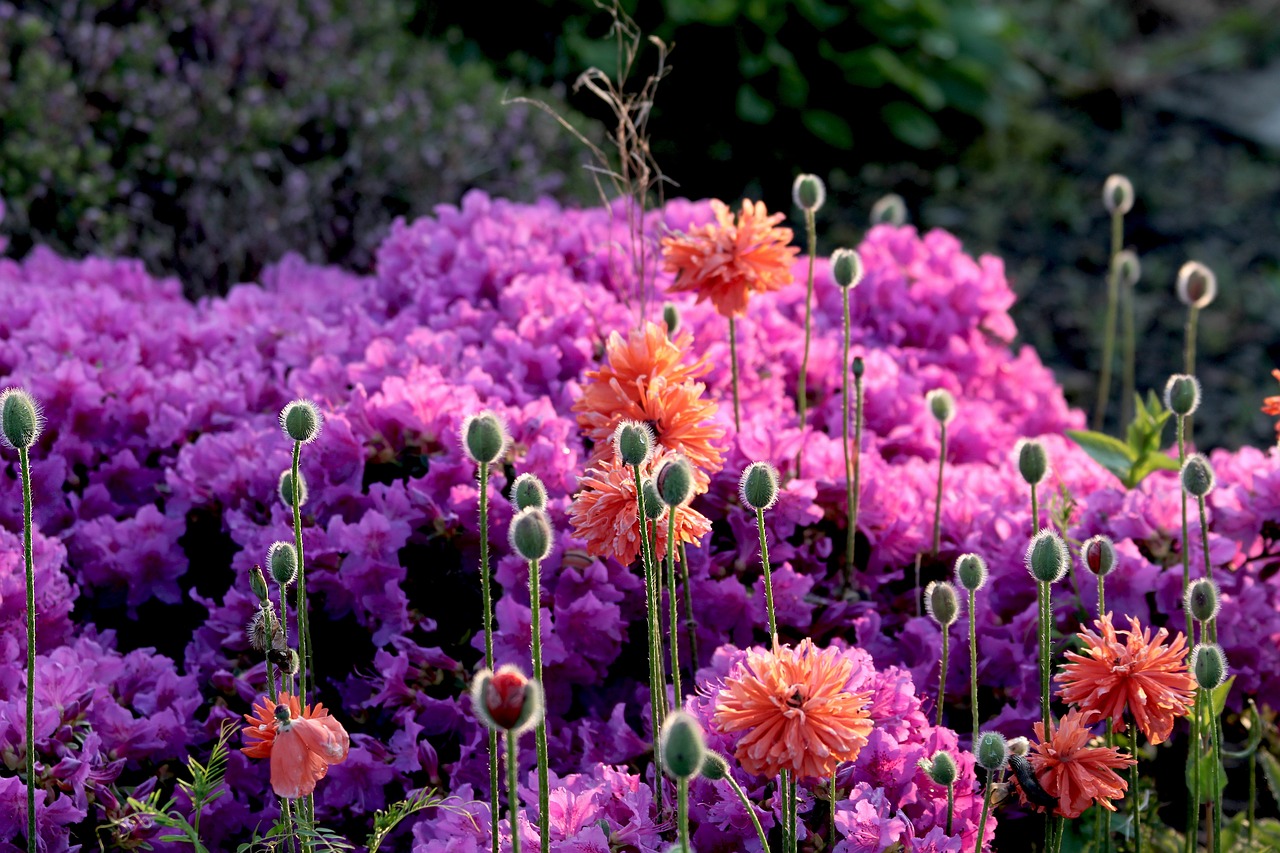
1019 746
633 442
531 534
1197 476
507 700
714 766
671 317
282 560
1099 555
759 486
1182 394
1202 600
653 508
683 746
846 267
675 481
1117 194
859 366
20 419
941 603
941 405
528 491
1127 267
261 629
1047 557
484 437
285 659
285 488
808 192
1209 665
941 769
889 210
258 583
971 572
993 751
301 421
1197 285
1033 462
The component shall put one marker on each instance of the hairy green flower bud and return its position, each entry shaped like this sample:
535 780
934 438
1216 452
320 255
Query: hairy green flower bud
846 267
714 766
992 751
531 534
671 317
1182 394
285 488
1098 555
653 508
1033 462
759 486
1047 557
1117 194
282 560
1127 267
1197 476
808 192
1209 665
971 572
507 700
258 583
484 437
859 366
1197 285
889 210
301 421
941 603
1202 599
675 481
683 746
941 769
941 405
633 442
20 419
528 491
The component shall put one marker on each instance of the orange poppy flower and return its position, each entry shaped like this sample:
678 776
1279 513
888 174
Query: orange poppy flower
301 743
728 261
1074 772
796 709
604 514
1271 405
1141 675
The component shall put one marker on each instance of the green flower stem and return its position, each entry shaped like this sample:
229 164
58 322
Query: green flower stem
1128 357
24 461
1046 611
487 604
657 685
682 812
973 663
674 610
1109 333
850 546
1189 352
851 532
1216 733
751 811
1186 552
1035 511
305 662
1211 626
831 799
802 402
1102 600
1133 788
916 583
942 673
937 504
768 576
733 363
986 811
789 809
513 792
691 624
286 679
1193 749
951 804
540 732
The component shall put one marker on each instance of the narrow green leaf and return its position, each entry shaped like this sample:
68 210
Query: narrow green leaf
1112 454
1220 695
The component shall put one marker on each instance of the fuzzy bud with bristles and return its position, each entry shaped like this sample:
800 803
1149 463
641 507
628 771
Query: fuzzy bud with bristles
258 583
1033 462
941 603
846 267
1019 746
889 210
1047 557
683 746
714 766
653 508
285 488
262 627
301 421
531 534
941 405
484 437
1197 476
1098 555
282 562
808 192
759 486
528 491
1197 285
992 752
941 769
1209 665
20 419
1182 394
507 700
1203 600
675 481
859 366
1117 194
671 317
633 442
971 572
1126 267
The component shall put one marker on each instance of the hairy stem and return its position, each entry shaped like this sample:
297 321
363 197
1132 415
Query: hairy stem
802 402
768 576
540 733
733 362
487 604
24 461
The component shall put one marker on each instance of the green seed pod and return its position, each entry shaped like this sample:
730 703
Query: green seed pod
889 210
759 486
1047 557
1203 600
258 583
531 534
1098 555
484 437
942 769
20 419
1117 195
528 491
633 442
1127 267
1033 462
993 751
675 481
671 317
285 488
683 746
301 421
1209 665
941 603
941 405
282 560
714 766
846 267
808 192
653 508
1197 285
859 366
1182 394
971 572
1197 476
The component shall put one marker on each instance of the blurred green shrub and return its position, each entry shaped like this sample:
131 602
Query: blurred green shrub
208 137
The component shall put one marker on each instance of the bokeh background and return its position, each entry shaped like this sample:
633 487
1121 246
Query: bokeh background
210 137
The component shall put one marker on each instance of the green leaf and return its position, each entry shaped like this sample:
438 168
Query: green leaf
1206 763
1112 454
752 107
911 125
828 127
1219 695
1255 737
1271 772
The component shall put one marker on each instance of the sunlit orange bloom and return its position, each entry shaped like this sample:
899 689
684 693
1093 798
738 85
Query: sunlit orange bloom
796 709
1074 772
301 743
1271 405
603 514
726 262
1141 675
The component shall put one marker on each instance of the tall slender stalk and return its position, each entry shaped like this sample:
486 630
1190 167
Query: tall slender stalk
751 811
942 673
513 791
656 685
682 809
540 731
1186 550
1046 615
1194 744
973 662
304 633
856 492
691 623
1133 788
768 575
24 462
1211 626
487 604
674 611
802 401
733 362
937 506
986 811
1109 329
851 533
